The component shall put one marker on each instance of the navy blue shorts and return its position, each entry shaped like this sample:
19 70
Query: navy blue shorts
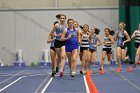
70 48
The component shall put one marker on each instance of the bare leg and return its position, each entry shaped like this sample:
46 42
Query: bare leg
119 57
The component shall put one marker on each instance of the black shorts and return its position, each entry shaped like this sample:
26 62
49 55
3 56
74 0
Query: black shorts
92 50
108 50
52 48
83 48
137 45
59 44
122 47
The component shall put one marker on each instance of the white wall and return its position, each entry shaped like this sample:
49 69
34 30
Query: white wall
28 30
45 4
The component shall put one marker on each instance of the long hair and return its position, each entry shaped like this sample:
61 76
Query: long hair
81 27
97 31
58 16
112 32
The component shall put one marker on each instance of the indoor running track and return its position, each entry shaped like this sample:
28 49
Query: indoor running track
39 80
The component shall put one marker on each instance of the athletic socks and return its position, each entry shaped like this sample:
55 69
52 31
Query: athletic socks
57 69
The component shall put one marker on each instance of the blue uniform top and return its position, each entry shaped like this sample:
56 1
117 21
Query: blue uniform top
74 37
59 30
121 38
94 40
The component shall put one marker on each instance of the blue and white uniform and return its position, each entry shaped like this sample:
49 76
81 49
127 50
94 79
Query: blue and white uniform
107 47
58 43
121 39
71 43
137 39
85 43
92 46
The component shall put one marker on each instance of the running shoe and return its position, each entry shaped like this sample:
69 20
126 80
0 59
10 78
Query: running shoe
61 73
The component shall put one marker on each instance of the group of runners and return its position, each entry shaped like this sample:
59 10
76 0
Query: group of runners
69 39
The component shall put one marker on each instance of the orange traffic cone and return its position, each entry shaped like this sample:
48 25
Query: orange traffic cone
91 85
90 72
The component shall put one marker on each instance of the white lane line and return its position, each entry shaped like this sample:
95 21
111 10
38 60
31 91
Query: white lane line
37 90
11 83
130 82
6 73
14 76
126 79
44 89
87 88
36 75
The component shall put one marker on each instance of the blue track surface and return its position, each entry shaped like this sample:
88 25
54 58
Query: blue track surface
112 82
34 79
26 85
67 84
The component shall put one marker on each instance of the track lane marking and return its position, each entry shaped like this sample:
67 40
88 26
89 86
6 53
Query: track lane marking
46 86
11 83
87 88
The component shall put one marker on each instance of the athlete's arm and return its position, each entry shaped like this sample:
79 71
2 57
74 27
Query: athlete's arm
53 30
49 38
127 36
90 39
79 36
116 37
63 38
110 42
99 40
133 35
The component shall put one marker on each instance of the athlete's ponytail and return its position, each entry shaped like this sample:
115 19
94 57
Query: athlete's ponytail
81 27
97 31
58 16
112 32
